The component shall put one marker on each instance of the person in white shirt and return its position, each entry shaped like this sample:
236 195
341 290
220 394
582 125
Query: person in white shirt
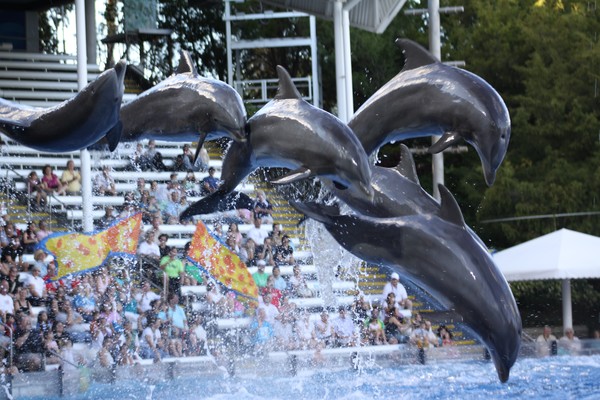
270 310
344 329
145 298
148 250
257 233
36 286
394 286
570 343
324 330
543 343
6 302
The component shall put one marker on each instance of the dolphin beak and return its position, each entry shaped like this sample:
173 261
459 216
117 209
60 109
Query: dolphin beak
489 174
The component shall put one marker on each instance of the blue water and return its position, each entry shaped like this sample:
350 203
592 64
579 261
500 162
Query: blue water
559 377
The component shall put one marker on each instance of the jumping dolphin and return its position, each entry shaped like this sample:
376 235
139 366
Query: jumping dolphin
430 98
439 253
185 108
290 133
74 124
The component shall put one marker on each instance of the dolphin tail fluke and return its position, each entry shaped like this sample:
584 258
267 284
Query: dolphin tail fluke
448 139
318 212
294 176
113 136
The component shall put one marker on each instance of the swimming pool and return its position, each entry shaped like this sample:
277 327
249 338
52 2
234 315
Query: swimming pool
560 377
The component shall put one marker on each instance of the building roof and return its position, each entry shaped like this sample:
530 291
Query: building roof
31 5
370 15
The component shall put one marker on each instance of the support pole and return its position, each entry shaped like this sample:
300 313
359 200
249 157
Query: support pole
435 49
86 169
340 83
347 64
228 43
566 304
314 62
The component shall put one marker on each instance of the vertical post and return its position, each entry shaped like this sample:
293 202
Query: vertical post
86 169
340 84
347 64
314 61
435 49
227 18
90 34
566 304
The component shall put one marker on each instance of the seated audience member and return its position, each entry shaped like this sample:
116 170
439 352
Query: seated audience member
21 304
197 338
35 190
271 312
265 252
12 255
422 337
297 284
260 277
257 233
145 297
155 157
305 335
543 343
373 329
445 336
344 330
262 208
71 179
278 281
150 340
190 185
148 251
28 345
42 231
394 286
37 287
284 254
104 183
234 232
324 331
6 301
570 343
29 237
209 184
173 269
277 234
50 182
39 259
12 279
261 331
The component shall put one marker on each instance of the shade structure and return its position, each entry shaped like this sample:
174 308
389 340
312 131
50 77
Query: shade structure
563 254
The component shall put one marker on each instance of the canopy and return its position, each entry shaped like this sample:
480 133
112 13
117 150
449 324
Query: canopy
563 254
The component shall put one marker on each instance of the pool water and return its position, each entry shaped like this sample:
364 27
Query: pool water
561 377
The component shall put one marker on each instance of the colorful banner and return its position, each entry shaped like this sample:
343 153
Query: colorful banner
216 259
76 253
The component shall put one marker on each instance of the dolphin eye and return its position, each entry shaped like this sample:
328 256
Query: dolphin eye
503 136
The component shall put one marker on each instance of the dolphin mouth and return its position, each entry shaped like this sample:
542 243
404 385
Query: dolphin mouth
489 174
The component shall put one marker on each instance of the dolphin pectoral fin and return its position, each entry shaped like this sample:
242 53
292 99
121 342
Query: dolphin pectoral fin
208 205
199 145
113 136
447 140
294 176
318 212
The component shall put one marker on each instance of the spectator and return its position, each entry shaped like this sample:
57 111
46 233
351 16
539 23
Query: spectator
324 330
12 255
399 291
265 252
164 249
284 254
6 301
278 281
155 157
261 331
344 330
274 292
35 189
570 343
297 284
28 346
422 337
145 298
149 343
104 183
190 185
107 219
260 277
71 179
173 271
445 336
197 338
209 184
234 232
257 233
277 234
43 231
39 258
29 237
305 334
138 160
50 182
12 279
543 343
148 251
262 208
374 329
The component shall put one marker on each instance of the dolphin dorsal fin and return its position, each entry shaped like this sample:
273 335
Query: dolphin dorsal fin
449 210
406 166
186 65
415 55
286 89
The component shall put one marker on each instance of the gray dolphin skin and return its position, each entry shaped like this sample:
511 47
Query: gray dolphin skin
430 98
288 132
185 108
74 124
439 253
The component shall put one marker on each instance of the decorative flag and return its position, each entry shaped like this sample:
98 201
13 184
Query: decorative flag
76 253
216 259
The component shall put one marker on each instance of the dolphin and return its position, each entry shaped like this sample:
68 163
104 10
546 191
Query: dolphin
430 98
288 132
74 124
440 254
185 108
